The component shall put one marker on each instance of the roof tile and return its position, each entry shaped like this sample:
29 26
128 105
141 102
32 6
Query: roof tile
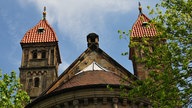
35 36
91 78
140 30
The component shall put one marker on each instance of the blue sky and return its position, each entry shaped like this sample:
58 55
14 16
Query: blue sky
72 21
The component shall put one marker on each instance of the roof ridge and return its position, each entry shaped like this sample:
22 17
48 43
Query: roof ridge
60 78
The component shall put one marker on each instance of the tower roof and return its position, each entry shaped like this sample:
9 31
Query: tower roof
42 32
142 27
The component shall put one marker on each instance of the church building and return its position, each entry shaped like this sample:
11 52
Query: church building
85 83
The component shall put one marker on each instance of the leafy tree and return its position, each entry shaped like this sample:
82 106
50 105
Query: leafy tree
11 94
169 62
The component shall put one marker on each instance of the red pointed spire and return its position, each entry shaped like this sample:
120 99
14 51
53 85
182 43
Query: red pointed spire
142 26
42 32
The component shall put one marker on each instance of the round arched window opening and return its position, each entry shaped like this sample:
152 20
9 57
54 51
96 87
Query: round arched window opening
43 54
34 55
36 82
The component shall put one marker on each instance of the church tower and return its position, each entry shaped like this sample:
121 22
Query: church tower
140 29
40 58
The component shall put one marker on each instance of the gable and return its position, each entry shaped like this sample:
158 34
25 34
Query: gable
88 57
92 67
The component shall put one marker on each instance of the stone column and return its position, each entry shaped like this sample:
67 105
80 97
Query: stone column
104 101
66 105
124 102
75 103
95 101
86 102
115 102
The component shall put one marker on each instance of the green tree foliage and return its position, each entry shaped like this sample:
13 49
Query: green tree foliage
168 57
11 94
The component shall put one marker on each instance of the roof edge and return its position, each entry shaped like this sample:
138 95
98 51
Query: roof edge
40 98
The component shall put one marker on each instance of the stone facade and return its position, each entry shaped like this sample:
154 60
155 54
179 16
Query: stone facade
40 58
39 67
88 97
76 88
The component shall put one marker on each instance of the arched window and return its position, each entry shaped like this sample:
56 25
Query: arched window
36 82
34 55
43 54
29 73
41 30
52 57
30 83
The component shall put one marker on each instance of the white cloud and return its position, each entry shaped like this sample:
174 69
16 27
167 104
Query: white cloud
76 18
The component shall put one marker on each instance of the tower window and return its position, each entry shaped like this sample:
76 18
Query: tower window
30 81
41 30
52 57
145 24
34 55
36 82
43 54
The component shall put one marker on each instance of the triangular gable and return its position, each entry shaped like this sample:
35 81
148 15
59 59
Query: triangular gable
84 60
92 67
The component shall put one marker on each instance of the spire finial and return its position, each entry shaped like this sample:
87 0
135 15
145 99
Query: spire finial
140 8
44 13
